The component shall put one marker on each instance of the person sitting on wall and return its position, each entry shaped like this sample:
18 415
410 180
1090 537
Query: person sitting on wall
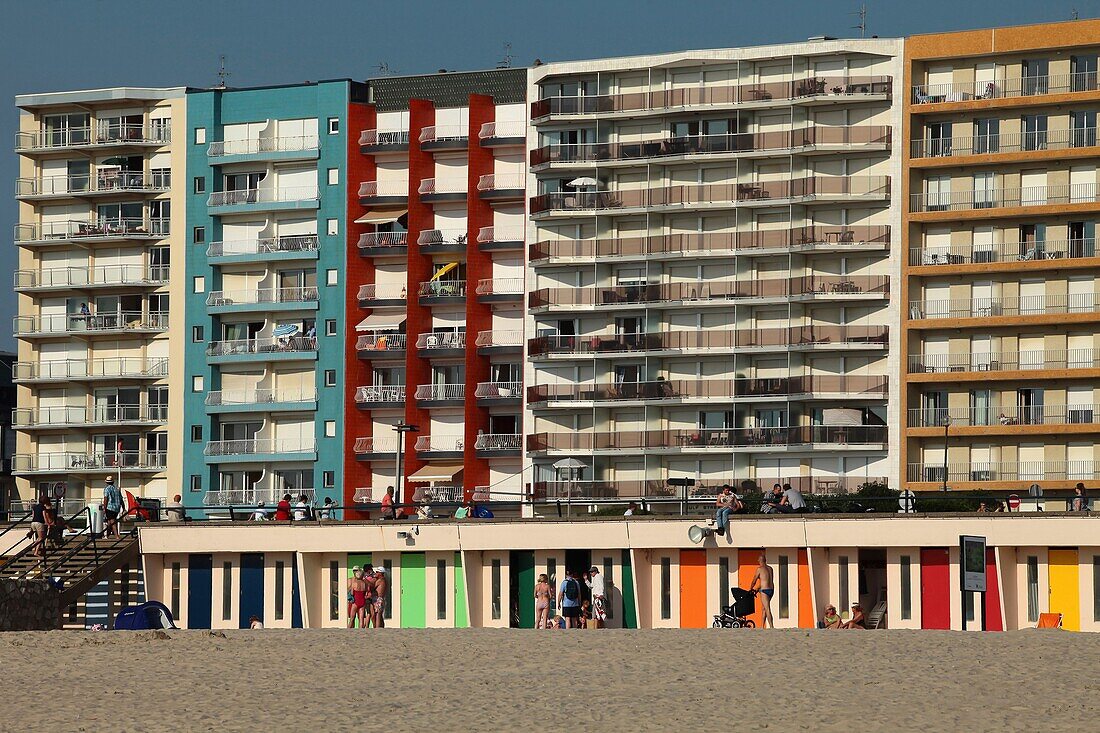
831 619
772 501
858 620
463 512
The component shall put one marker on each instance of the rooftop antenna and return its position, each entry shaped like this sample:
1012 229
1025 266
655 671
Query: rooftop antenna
862 25
222 73
1073 14
384 69
506 62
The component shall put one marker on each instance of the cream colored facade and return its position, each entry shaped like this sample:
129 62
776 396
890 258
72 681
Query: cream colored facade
713 268
99 180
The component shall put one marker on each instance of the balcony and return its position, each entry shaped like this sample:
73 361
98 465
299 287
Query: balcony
500 290
501 187
263 199
997 307
130 323
442 343
441 395
86 370
380 395
373 295
500 238
438 494
102 136
132 461
384 193
292 147
499 393
812 90
90 278
441 292
89 232
818 338
655 489
284 348
1012 419
264 249
249 498
444 137
262 299
441 190
381 447
101 184
258 449
439 446
383 243
1005 143
1005 474
985 365
499 342
819 386
70 416
502 134
1027 86
719 195
670 149
723 244
442 240
262 400
383 141
499 444
992 199
381 345
1050 251
828 437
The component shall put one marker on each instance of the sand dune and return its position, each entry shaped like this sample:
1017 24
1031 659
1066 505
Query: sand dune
489 680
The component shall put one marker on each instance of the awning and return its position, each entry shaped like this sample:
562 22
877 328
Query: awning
436 472
842 416
381 217
444 270
381 321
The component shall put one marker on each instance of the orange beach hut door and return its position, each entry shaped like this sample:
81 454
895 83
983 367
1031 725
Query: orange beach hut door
693 589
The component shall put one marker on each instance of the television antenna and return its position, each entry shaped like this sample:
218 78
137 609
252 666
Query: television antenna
862 25
506 62
222 73
384 69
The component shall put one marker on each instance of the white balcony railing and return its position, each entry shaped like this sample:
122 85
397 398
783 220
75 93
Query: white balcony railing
80 415
95 229
78 323
1005 361
386 444
257 446
499 441
432 186
441 392
439 443
441 133
981 253
105 133
258 396
374 189
99 182
62 277
299 294
383 239
381 341
292 143
372 393
499 390
986 471
509 128
500 338
269 497
441 340
996 198
1005 142
501 182
382 291
286 194
1026 86
500 286
270 344
384 137
500 234
109 368
432 237
935 417
70 461
1027 305
263 245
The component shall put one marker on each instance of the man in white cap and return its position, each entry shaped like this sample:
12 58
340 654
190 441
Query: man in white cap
595 582
112 507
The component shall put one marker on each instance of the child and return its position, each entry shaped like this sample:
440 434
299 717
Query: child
586 615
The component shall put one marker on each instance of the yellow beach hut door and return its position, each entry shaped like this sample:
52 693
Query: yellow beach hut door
1065 589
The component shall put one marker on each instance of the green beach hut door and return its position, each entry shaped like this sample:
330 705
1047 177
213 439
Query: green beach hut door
413 591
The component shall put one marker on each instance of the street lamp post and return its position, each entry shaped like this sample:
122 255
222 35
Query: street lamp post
946 420
401 428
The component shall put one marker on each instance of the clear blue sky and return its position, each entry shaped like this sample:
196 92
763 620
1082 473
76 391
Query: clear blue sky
52 45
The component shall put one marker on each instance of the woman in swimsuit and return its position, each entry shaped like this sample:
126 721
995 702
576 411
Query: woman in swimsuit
358 589
542 602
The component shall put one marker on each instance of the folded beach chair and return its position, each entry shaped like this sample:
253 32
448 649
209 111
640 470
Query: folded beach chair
1049 621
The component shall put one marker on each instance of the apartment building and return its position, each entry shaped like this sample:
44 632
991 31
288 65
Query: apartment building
99 178
435 289
264 340
1002 315
711 264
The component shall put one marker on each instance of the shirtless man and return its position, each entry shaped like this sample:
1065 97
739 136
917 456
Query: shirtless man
368 580
381 588
358 588
762 581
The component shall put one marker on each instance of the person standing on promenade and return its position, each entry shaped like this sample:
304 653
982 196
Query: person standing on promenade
381 588
40 514
595 582
762 581
569 600
542 602
358 587
112 506
1080 498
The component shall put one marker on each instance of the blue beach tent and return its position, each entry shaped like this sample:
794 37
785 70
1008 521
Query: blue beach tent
151 615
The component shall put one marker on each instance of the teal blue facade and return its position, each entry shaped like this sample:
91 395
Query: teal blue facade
207 353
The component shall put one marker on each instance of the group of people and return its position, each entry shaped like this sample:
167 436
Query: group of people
575 611
300 511
832 620
763 584
367 590
782 499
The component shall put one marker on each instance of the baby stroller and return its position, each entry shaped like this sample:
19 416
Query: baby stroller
736 616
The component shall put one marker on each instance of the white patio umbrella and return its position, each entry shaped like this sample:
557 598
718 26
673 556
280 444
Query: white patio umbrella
582 182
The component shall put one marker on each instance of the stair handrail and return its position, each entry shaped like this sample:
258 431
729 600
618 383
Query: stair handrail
43 565
25 518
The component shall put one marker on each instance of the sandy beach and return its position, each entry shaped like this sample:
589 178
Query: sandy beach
489 680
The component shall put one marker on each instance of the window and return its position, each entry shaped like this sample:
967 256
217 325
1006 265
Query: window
198 284
387 608
842 579
723 580
495 590
160 177
784 587
196 433
334 601
197 334
332 277
330 326
1082 128
552 577
666 587
1096 587
333 125
160 217
196 483
1032 588
197 383
987 135
1035 132
198 235
607 579
1083 70
332 227
227 591
939 139
333 176
440 589
330 377
983 189
906 587
330 428
200 184
177 572
280 588
937 193
200 135
328 479
1035 79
